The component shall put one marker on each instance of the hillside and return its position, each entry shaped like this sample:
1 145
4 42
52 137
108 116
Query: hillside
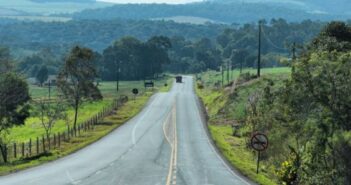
47 7
230 12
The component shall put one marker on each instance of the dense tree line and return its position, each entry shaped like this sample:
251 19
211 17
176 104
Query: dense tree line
61 36
132 59
309 118
194 48
237 47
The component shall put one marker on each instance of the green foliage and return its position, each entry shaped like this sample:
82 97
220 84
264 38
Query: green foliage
14 109
311 113
288 172
49 113
76 80
42 75
6 63
135 60
13 98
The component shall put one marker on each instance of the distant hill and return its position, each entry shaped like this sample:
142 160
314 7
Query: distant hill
235 11
322 6
46 7
11 12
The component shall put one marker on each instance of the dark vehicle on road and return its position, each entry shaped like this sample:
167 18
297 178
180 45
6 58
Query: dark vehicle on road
179 79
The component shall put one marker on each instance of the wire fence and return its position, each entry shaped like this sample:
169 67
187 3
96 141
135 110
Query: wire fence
39 146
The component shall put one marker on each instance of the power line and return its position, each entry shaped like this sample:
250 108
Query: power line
271 43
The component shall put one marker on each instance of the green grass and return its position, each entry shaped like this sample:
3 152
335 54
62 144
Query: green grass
105 126
108 89
33 128
236 152
225 108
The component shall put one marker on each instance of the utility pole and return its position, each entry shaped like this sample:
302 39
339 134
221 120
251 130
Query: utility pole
294 51
259 49
222 74
118 70
228 66
49 90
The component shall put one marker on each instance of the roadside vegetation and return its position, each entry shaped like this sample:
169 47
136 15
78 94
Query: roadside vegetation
305 113
227 106
58 116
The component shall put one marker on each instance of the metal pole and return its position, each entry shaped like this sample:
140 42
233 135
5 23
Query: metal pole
49 90
258 161
222 71
119 71
116 77
259 50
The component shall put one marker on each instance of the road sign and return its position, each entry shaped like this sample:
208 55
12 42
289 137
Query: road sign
135 91
259 142
149 84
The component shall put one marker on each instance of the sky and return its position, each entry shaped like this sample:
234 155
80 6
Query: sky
152 1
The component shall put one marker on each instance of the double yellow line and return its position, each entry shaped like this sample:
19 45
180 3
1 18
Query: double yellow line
172 172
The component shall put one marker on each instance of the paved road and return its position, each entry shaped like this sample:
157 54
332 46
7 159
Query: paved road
165 144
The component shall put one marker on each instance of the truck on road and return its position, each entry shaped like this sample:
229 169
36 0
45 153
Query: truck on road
179 79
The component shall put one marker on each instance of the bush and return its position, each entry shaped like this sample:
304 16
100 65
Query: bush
200 85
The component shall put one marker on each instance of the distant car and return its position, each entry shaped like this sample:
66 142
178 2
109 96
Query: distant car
179 79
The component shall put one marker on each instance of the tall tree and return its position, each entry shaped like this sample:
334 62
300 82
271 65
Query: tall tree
42 75
76 79
6 63
14 95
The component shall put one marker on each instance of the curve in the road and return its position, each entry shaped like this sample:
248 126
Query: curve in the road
166 143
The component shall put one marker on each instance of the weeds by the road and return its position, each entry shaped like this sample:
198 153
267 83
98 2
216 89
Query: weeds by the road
225 108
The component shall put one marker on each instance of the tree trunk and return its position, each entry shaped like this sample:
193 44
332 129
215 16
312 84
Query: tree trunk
75 114
3 152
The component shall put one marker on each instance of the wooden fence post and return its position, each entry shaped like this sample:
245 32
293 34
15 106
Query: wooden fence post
23 150
59 139
37 145
43 140
30 147
54 140
14 150
49 142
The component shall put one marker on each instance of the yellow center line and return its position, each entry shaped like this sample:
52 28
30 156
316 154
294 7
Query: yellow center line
171 178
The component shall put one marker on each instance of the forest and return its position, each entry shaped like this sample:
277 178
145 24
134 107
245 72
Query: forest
310 113
193 48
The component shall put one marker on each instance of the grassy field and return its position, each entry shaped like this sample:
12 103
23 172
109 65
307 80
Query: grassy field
33 128
105 126
225 109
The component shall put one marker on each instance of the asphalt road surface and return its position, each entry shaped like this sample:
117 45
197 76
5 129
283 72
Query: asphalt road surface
165 144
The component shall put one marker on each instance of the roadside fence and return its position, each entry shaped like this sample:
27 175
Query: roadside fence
37 147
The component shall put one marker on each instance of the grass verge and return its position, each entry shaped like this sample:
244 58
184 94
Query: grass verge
105 126
224 109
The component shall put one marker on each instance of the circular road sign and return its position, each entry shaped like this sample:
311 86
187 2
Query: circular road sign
259 142
135 91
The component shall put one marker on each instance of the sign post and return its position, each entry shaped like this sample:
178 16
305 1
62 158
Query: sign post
149 84
259 142
135 91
